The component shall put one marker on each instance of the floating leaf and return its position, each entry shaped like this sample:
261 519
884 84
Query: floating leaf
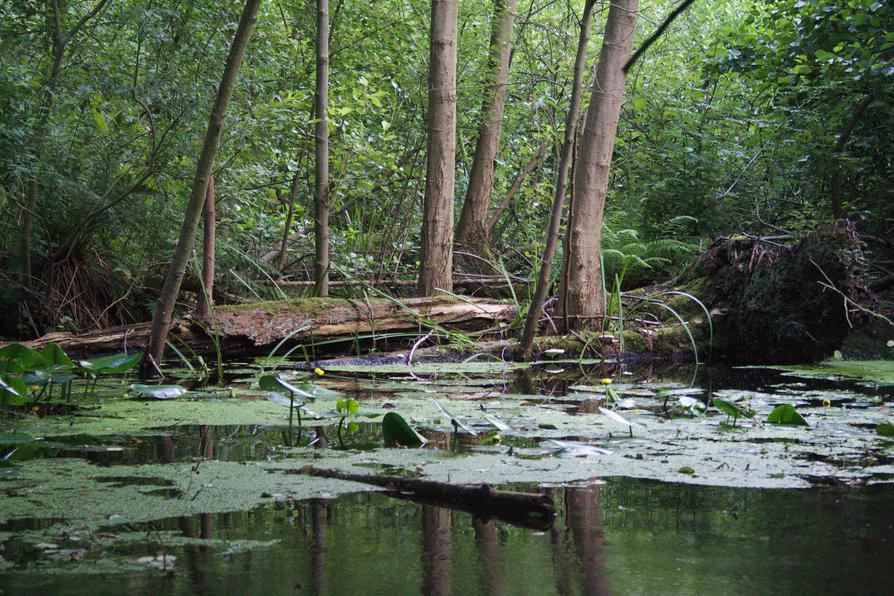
457 423
497 423
786 414
159 391
277 383
574 449
618 418
396 431
111 365
885 430
732 409
281 400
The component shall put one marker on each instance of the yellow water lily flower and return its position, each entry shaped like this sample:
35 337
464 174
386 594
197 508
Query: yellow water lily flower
605 381
827 403
319 372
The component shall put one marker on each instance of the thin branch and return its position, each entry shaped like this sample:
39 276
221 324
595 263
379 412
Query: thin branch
654 37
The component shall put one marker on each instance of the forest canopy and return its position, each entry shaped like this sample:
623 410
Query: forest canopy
766 118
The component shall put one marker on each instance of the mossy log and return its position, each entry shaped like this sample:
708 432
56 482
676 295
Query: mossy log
254 328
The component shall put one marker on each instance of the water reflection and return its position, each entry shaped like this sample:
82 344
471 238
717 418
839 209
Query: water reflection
437 545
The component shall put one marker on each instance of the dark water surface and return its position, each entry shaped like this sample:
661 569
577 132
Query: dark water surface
612 536
621 537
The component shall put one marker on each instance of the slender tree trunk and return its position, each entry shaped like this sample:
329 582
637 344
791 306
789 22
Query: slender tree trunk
290 218
472 230
838 150
27 232
436 264
516 186
161 321
321 191
206 300
584 298
555 222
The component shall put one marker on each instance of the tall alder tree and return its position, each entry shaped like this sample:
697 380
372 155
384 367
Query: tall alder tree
436 264
552 233
472 231
582 287
321 188
164 310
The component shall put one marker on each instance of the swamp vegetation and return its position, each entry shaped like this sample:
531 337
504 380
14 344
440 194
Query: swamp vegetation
429 296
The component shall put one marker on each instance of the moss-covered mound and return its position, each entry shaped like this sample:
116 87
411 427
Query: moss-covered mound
778 303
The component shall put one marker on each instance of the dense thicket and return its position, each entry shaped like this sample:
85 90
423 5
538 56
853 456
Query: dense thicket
767 117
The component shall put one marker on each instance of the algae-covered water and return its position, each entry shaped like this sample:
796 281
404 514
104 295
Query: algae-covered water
199 494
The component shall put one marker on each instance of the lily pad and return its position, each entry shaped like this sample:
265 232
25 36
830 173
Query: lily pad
397 432
111 365
786 414
159 391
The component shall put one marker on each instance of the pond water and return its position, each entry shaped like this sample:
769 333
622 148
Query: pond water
199 494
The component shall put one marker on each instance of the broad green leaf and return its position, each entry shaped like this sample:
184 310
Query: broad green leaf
885 429
56 359
13 391
111 365
397 432
18 358
732 409
786 414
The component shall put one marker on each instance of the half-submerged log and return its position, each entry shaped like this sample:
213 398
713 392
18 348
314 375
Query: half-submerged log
531 510
254 328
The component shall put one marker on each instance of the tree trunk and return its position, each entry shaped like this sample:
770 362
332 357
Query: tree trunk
472 230
203 308
436 265
584 298
290 218
555 222
171 288
321 191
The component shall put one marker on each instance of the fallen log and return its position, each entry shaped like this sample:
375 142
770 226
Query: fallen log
254 328
531 510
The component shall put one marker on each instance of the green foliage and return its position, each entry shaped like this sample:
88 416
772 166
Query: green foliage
398 433
786 414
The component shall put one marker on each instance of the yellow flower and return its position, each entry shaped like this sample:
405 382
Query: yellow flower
319 372
605 381
827 403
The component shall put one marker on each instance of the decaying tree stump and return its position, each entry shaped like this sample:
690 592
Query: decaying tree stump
773 302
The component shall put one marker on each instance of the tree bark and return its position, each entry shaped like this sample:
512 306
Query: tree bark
171 288
472 230
203 308
436 265
584 297
321 190
555 222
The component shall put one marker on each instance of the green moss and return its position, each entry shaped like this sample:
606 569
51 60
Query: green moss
308 305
